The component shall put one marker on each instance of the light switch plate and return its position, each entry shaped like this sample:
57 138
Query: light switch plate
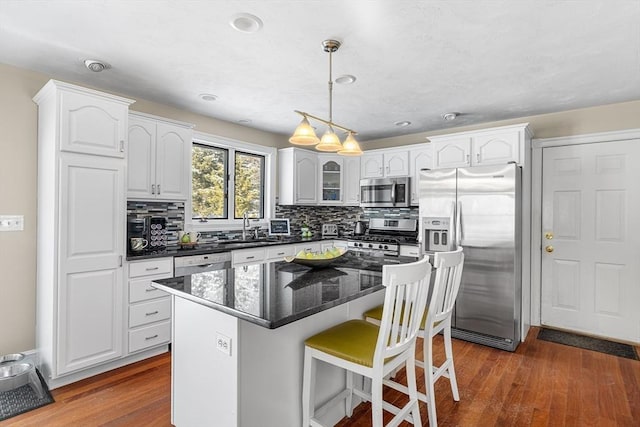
11 222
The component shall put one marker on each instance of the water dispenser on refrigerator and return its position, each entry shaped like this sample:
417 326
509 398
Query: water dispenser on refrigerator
437 234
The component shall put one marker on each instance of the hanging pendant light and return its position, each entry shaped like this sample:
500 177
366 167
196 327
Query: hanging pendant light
350 147
304 133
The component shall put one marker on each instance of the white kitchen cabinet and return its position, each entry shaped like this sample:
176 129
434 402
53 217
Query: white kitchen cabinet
410 250
298 176
159 158
384 163
149 309
308 247
330 179
351 181
421 157
278 252
91 122
81 223
248 256
483 147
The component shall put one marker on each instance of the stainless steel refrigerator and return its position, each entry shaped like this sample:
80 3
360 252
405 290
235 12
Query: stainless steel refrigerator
479 208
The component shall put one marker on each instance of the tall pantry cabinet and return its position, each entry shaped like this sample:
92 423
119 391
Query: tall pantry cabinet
81 223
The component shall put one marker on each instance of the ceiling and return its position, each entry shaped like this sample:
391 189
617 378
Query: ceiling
413 60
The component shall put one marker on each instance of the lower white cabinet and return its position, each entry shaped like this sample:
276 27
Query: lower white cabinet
247 256
276 253
410 250
149 308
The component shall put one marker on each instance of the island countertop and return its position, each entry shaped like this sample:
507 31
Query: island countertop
274 294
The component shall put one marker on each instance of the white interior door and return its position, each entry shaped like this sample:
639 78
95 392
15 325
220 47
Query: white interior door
591 239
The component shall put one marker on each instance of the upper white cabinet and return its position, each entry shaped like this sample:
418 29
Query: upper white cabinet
420 157
384 163
331 179
298 176
484 147
81 225
351 181
159 158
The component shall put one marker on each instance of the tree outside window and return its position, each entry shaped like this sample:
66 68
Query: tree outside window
249 185
209 172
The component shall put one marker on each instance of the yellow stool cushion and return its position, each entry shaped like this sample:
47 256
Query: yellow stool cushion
376 313
353 340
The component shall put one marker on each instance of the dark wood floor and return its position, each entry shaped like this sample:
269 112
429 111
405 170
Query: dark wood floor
541 384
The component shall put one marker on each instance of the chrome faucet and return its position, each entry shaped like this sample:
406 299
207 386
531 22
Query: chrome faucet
245 224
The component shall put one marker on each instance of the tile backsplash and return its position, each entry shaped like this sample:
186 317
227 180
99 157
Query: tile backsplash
172 211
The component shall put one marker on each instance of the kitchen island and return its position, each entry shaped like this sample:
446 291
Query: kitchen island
238 337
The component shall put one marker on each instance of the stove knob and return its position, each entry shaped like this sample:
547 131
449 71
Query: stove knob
370 245
382 247
386 246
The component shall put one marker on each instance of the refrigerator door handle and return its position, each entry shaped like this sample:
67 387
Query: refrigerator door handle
459 224
453 234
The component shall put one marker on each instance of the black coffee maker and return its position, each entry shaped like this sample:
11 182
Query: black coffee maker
136 229
151 229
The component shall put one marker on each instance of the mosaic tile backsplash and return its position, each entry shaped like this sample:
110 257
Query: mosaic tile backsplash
172 211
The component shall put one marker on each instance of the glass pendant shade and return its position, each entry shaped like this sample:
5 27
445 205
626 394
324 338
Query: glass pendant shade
304 134
350 147
329 141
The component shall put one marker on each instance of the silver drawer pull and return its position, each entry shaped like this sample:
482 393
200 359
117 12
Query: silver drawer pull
152 313
151 337
280 253
152 268
150 290
250 257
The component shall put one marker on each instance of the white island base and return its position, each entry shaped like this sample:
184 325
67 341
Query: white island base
259 383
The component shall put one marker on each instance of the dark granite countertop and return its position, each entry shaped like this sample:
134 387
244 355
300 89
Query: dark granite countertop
274 294
222 246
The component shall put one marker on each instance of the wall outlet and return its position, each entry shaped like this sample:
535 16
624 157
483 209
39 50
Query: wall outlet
11 222
223 344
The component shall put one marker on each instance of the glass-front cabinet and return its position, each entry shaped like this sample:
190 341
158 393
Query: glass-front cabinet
331 179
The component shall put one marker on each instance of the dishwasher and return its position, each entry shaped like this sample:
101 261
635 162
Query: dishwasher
207 276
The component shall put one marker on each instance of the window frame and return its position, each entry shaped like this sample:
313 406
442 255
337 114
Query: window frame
269 187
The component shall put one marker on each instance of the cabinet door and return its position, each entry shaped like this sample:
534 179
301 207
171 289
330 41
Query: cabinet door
92 125
452 153
141 172
90 299
496 148
173 164
351 181
372 165
331 169
306 177
421 158
396 163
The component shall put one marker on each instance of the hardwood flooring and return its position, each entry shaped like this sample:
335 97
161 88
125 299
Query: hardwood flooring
541 384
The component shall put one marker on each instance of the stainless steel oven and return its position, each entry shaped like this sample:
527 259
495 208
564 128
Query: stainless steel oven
385 192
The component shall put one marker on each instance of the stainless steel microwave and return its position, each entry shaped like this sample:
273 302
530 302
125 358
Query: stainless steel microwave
385 192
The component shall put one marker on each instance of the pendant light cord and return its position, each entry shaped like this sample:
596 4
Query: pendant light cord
330 87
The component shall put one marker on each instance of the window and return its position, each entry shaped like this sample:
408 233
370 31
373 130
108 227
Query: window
209 182
249 185
230 178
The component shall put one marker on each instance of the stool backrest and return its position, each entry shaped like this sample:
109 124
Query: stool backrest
448 267
404 304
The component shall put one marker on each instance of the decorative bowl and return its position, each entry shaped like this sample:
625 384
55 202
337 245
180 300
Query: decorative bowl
316 262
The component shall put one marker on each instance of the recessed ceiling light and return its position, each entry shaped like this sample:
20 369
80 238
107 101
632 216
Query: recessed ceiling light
402 123
450 116
347 79
246 23
244 121
208 97
95 65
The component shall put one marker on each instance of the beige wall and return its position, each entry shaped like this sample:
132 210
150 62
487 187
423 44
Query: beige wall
18 142
604 118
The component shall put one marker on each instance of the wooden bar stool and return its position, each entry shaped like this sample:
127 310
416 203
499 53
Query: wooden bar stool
437 318
373 351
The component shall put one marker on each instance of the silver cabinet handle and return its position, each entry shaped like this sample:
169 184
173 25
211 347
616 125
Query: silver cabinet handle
153 189
151 337
153 313
120 260
250 257
152 268
468 159
478 157
150 290
280 253
122 145
158 188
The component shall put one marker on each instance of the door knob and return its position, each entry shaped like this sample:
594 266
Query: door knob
548 235
549 248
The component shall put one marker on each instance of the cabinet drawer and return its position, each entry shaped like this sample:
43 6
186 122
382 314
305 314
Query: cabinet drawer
149 312
141 290
151 267
149 336
409 250
248 255
278 252
309 247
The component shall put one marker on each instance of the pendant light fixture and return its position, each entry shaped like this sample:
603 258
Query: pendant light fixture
305 134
